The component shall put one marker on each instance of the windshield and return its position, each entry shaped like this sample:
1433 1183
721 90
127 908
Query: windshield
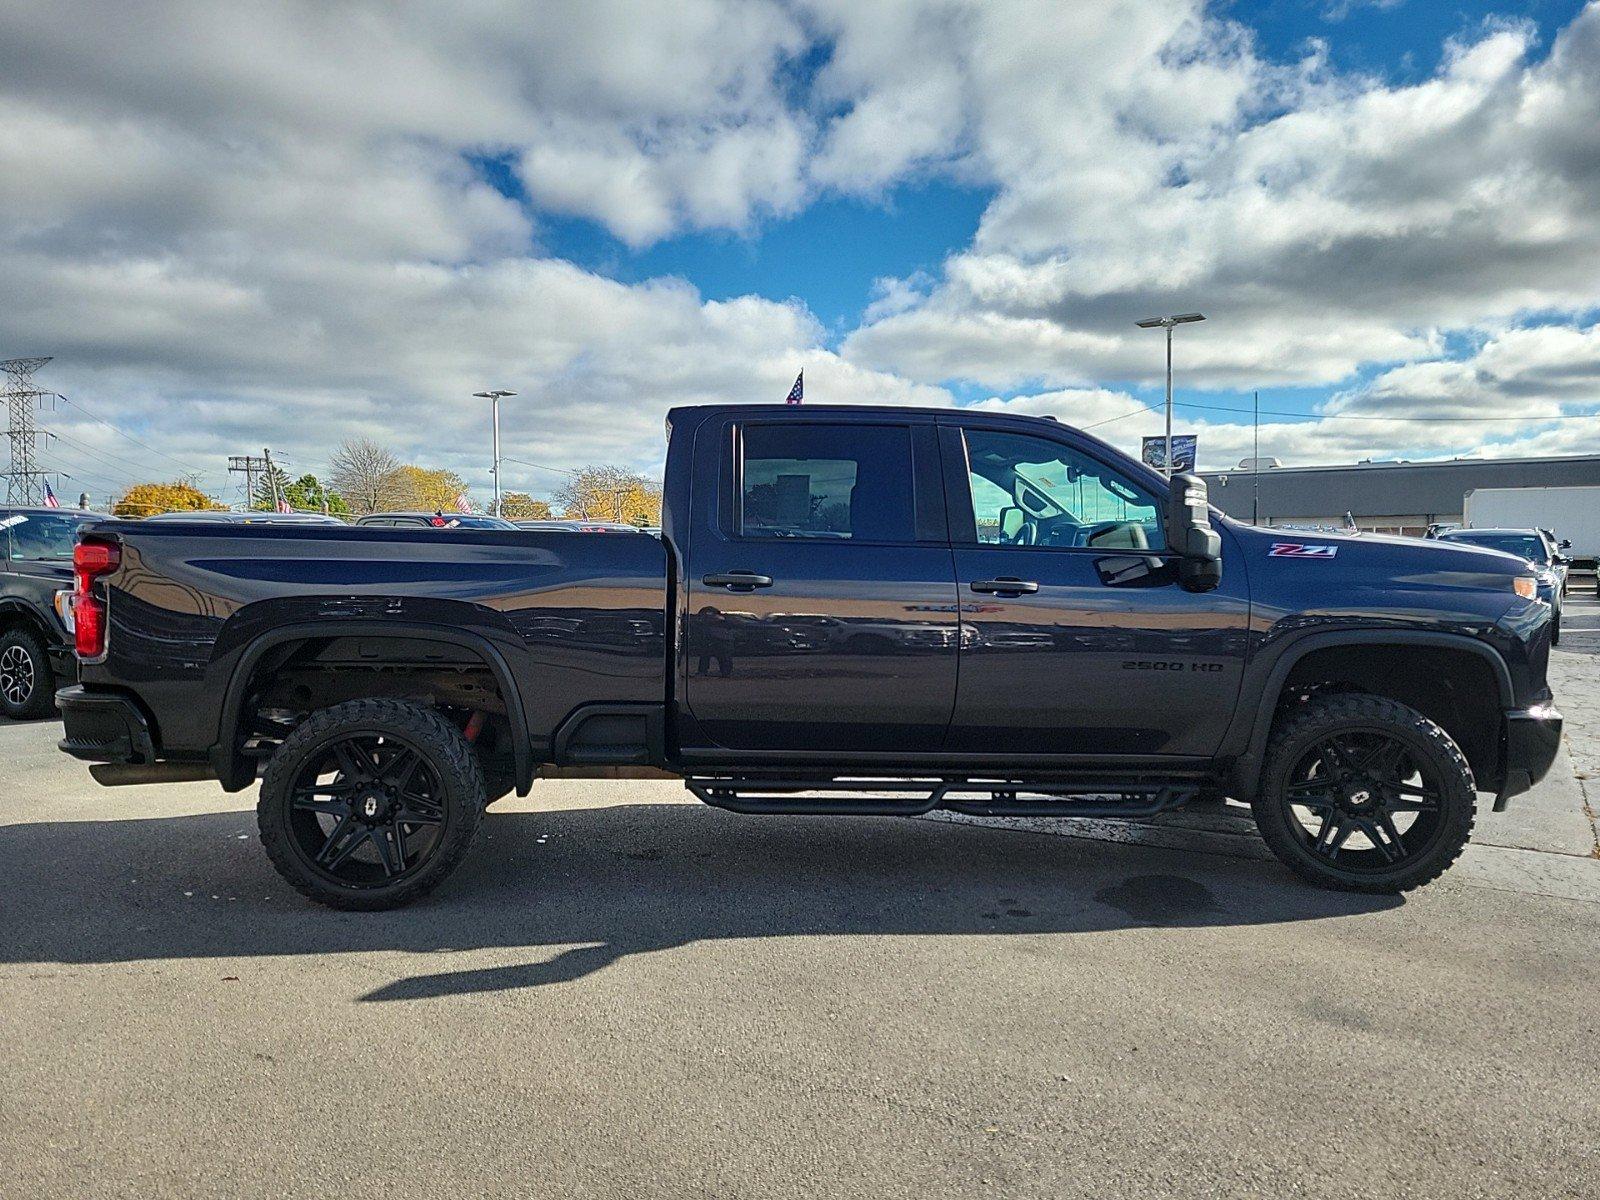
1523 545
42 537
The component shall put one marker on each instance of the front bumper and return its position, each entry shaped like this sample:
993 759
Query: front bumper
104 727
1529 739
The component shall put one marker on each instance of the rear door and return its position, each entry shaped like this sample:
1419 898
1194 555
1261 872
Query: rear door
1078 638
821 607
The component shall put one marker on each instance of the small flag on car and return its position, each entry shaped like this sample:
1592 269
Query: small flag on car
798 391
463 504
50 500
284 506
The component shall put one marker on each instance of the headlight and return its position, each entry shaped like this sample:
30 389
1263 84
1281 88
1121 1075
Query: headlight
1525 586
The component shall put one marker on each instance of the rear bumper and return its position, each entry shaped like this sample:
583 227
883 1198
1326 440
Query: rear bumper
104 727
1531 737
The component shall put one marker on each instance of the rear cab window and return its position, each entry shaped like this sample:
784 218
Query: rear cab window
847 482
40 537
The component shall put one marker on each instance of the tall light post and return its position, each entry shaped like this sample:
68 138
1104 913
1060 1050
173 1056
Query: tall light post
494 398
1167 323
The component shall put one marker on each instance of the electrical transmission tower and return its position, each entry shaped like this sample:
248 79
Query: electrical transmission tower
24 484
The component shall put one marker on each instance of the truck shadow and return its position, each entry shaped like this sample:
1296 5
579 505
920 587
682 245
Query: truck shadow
596 885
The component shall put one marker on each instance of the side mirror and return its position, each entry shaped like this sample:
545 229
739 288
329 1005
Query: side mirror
1010 523
1190 535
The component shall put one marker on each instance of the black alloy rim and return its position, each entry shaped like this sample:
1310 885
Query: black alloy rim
17 674
1363 801
367 810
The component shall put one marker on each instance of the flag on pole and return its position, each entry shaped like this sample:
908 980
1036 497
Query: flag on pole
50 500
798 391
463 504
284 506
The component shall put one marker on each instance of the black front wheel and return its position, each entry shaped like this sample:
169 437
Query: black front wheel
370 804
27 686
1364 794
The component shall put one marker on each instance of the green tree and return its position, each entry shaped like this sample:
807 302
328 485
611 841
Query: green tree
308 493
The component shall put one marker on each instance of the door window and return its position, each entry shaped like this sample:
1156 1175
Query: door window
1029 491
828 482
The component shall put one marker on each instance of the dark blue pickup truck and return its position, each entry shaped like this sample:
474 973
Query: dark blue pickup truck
851 610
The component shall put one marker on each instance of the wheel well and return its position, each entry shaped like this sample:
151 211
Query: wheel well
12 618
293 679
1456 689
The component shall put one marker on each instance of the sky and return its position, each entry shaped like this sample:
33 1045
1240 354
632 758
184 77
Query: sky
290 224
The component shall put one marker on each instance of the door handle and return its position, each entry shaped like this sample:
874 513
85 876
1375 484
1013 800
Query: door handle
1005 587
738 581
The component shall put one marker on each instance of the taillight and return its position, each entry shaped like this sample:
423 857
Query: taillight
90 560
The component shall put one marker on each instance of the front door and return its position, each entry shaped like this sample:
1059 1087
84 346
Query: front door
1079 639
821 611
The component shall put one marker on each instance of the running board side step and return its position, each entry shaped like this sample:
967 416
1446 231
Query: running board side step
910 798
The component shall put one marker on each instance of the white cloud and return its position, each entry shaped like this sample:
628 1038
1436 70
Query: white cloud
236 224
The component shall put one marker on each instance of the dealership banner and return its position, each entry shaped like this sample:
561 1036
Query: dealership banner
1155 452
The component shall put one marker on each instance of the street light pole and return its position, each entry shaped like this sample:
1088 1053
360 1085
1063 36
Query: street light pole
1167 323
494 398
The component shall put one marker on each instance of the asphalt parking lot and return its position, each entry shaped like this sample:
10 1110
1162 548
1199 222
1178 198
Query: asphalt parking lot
624 993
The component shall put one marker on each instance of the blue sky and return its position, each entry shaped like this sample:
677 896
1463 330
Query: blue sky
302 229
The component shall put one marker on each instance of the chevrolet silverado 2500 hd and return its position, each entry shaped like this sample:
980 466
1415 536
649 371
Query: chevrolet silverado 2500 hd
850 611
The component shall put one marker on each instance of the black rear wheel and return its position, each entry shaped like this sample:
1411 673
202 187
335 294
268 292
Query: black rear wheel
370 804
27 686
1365 794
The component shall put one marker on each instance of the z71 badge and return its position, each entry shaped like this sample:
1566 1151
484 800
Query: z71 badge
1300 550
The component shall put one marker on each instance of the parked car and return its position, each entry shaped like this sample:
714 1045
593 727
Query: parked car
1537 547
1132 649
433 520
35 617
229 517
547 525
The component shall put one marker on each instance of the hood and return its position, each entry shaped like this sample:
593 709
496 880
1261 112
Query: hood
1388 559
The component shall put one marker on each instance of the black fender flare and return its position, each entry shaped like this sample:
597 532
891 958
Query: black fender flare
237 775
10 605
1247 763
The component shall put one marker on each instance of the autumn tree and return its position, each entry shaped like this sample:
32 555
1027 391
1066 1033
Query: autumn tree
148 499
366 475
519 506
426 489
606 493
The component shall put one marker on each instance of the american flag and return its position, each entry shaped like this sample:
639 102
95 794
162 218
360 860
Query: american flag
50 500
284 506
463 504
798 392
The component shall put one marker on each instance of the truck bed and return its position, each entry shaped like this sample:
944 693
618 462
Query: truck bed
568 620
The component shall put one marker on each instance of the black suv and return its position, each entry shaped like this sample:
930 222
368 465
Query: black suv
35 637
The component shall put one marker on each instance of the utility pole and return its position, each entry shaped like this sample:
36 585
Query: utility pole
24 484
249 466
272 479
1167 323
494 397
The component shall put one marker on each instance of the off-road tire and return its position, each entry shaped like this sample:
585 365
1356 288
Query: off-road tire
1323 716
444 749
40 700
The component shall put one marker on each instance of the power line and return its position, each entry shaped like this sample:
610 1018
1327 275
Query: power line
81 407
522 462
